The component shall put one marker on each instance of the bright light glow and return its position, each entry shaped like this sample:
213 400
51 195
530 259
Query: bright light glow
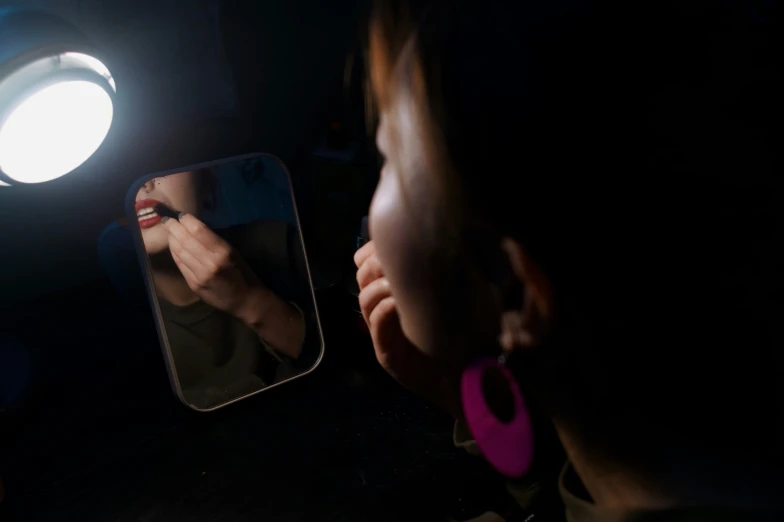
54 131
93 63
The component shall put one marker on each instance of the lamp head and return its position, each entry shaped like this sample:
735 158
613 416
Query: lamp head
56 98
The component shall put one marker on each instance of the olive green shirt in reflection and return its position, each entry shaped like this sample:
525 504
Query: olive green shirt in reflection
217 357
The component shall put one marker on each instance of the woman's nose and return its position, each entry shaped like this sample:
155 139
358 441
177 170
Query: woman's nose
149 186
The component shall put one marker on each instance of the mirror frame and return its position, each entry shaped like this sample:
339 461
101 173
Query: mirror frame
144 260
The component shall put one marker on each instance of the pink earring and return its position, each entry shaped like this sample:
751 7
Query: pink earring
508 443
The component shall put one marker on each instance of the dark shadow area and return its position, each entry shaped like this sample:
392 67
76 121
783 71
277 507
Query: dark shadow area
106 440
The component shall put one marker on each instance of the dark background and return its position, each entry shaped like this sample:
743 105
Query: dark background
89 428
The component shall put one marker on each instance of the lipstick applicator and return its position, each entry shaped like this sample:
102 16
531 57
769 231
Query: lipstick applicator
164 211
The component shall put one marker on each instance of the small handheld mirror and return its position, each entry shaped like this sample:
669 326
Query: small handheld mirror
224 263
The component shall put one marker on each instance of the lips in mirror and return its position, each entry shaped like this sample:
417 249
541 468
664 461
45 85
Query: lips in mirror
226 271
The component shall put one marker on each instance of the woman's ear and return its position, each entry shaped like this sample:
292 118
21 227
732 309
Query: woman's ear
527 315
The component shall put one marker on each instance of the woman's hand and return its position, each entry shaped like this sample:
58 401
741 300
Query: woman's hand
218 276
396 354
211 267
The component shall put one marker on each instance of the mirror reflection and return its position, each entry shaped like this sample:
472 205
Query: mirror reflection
226 267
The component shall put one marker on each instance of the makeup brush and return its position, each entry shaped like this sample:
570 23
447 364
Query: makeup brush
164 211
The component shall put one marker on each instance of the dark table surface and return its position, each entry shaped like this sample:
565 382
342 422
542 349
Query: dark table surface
105 439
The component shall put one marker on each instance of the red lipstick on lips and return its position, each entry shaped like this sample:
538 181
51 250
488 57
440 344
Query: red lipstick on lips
145 211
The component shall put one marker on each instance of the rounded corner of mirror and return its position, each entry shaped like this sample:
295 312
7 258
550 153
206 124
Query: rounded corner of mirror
130 194
318 361
184 402
196 409
303 373
134 188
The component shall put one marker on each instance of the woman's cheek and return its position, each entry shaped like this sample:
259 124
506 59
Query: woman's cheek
402 247
387 227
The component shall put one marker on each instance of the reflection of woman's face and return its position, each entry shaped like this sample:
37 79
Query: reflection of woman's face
180 192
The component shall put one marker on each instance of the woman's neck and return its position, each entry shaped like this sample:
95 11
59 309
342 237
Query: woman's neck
169 282
619 488
616 490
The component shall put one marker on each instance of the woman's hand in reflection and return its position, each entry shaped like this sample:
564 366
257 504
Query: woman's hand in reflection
396 354
210 266
218 275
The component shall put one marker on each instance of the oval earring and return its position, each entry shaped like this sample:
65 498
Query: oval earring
505 436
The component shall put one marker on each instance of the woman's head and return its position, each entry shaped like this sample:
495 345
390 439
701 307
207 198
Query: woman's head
188 191
562 178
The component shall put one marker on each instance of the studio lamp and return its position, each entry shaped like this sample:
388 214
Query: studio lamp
56 97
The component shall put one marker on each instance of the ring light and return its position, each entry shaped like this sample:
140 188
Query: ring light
56 98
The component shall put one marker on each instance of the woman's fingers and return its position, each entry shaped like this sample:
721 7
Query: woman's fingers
184 238
211 255
384 325
187 259
187 273
202 233
369 271
367 250
372 295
